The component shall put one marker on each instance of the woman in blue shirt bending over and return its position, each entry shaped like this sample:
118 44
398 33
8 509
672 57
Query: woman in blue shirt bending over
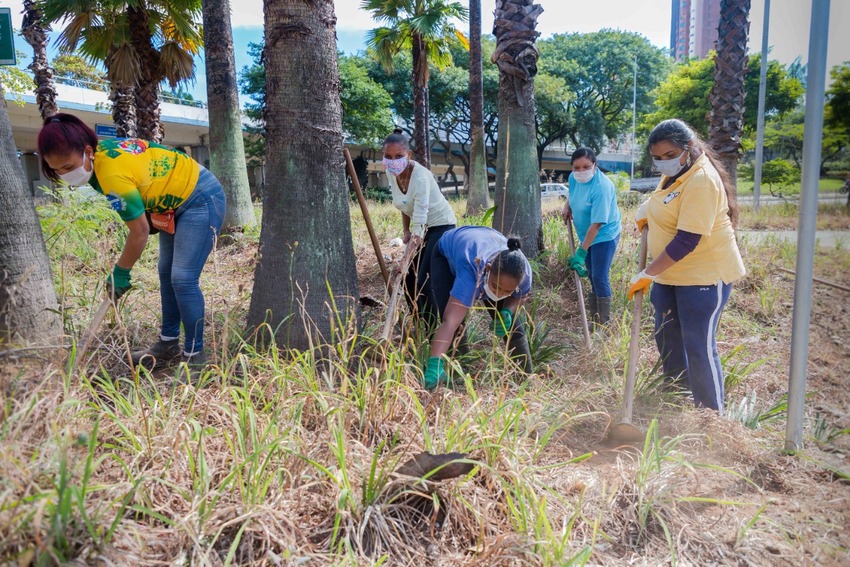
592 207
478 264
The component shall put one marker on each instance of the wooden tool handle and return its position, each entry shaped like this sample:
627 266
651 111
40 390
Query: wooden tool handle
365 210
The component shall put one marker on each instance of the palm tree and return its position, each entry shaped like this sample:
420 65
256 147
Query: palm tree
35 31
424 27
517 176
227 148
173 25
305 281
28 309
477 186
727 95
140 42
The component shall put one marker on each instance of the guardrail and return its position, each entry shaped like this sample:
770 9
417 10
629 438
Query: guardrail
103 86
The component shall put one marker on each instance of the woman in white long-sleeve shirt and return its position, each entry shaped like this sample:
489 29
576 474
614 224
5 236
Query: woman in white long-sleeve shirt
425 214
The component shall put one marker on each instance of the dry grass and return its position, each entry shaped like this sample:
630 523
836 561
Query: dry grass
286 459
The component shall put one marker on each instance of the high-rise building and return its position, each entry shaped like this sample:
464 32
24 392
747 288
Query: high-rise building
693 28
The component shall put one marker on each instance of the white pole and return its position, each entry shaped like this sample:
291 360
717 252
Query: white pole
634 122
762 96
816 86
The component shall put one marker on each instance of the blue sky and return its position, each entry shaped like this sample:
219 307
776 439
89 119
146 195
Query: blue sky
789 25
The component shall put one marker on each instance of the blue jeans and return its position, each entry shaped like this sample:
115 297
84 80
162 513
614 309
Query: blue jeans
686 319
598 262
182 256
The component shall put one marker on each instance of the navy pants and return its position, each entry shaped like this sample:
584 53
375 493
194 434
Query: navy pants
182 256
417 281
686 319
598 263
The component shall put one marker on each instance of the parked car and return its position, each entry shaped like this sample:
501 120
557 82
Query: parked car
551 190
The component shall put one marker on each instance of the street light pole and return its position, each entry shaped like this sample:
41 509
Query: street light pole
762 96
634 122
813 130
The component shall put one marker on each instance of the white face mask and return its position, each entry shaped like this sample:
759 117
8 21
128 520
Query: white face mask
584 176
669 167
490 293
79 176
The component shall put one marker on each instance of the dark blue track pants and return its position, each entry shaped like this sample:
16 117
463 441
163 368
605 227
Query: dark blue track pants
686 319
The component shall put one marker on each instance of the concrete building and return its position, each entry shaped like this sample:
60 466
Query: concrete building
693 28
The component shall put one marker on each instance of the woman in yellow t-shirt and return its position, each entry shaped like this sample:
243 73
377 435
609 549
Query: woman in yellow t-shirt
148 185
691 218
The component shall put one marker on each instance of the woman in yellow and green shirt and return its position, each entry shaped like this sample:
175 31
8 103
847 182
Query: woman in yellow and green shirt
148 185
691 218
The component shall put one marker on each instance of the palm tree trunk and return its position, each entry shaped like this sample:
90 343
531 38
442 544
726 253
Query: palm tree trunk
149 126
727 95
517 174
35 34
421 127
305 281
478 197
28 309
123 110
227 148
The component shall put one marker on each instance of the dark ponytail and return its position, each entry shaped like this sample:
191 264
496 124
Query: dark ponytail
683 136
510 262
397 137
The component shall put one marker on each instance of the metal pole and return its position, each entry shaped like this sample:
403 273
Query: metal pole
762 96
816 81
634 121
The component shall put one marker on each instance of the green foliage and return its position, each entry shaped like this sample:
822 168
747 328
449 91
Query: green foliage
783 137
366 105
366 115
75 70
430 20
15 80
597 71
684 94
838 98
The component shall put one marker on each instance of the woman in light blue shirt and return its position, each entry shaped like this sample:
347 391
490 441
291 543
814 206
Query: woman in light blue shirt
592 207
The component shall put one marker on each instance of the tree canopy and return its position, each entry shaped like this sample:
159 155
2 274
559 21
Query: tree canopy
838 98
684 94
594 75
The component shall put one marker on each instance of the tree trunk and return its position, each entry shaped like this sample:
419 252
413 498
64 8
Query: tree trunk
149 126
123 111
478 197
421 126
28 309
227 148
517 174
35 34
305 282
727 95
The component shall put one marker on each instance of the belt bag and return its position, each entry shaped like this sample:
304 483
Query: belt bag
161 222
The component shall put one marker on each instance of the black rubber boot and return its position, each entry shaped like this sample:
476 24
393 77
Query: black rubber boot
519 349
161 354
591 307
604 310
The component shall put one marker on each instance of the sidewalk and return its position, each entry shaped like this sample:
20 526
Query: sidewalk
823 238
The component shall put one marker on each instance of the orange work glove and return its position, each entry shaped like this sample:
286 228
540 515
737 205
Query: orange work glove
640 282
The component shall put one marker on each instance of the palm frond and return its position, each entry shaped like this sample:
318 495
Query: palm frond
176 64
123 66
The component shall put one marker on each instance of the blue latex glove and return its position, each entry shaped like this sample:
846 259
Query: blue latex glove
435 373
502 322
118 282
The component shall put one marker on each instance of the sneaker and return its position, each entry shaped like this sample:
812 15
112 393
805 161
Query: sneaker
160 355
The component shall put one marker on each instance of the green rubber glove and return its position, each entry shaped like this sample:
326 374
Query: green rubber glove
576 262
502 322
118 282
435 372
